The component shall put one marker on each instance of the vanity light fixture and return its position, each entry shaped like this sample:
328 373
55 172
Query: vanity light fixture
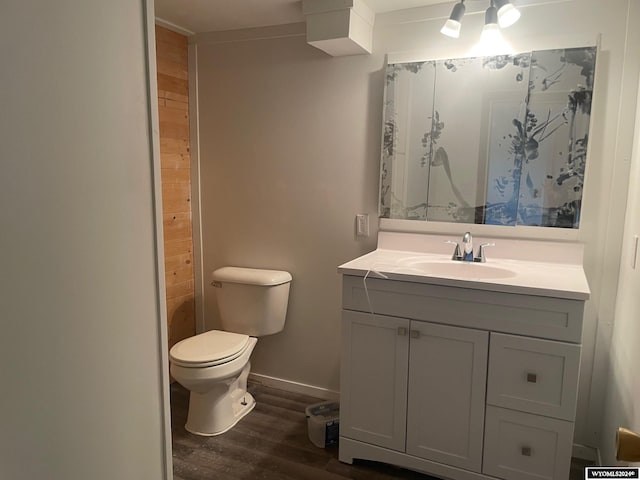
500 14
452 26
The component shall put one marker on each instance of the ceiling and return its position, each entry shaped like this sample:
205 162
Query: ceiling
199 16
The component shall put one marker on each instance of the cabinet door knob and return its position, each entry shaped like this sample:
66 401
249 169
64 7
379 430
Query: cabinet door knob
402 331
415 333
532 378
526 451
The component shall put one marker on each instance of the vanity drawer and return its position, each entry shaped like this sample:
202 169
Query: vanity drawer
521 446
533 375
535 316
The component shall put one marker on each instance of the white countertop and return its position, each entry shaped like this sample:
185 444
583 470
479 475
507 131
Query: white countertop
549 269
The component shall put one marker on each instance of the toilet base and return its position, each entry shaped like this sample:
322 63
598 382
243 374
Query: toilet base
240 410
221 408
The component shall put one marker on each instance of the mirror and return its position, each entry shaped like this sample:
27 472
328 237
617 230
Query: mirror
499 140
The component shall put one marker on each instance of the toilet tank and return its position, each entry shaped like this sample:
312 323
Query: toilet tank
252 301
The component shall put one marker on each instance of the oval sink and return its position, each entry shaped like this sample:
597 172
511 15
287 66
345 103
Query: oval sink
462 270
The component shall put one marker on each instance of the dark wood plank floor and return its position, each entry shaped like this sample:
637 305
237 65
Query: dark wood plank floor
270 443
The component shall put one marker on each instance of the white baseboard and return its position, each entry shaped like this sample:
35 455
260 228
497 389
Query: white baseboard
584 452
294 387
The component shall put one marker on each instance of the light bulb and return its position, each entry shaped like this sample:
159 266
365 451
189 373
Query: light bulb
490 34
452 26
491 41
507 13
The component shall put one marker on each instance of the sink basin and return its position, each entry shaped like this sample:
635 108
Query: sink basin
462 270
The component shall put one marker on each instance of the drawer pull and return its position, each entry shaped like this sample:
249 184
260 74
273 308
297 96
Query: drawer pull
402 331
415 333
525 451
532 378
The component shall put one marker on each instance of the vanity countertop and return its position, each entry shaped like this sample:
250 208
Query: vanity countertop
548 269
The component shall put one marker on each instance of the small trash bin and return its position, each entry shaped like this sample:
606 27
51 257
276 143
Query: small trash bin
323 422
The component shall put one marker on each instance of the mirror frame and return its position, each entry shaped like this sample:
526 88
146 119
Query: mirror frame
517 231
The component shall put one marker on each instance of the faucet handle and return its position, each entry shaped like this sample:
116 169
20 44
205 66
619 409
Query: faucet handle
481 258
456 253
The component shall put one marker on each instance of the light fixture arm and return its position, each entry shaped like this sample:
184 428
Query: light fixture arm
491 15
458 11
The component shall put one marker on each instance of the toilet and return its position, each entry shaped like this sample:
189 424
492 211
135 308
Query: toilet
214 365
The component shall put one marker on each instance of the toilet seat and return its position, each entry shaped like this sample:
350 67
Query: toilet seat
209 349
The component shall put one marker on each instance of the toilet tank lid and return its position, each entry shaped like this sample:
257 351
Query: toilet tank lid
251 276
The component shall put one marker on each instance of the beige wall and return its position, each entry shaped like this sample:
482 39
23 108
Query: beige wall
290 143
289 154
622 408
82 385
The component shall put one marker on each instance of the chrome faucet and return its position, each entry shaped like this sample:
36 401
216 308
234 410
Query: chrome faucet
466 253
467 247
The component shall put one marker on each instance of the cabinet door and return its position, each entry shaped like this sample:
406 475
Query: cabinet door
373 379
447 383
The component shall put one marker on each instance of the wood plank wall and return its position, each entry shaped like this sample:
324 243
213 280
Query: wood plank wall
173 104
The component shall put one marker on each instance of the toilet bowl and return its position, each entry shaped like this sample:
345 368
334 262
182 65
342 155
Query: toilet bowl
214 365
218 386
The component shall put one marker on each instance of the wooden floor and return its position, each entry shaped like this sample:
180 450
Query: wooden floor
268 444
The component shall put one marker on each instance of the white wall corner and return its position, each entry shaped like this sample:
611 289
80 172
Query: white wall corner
339 27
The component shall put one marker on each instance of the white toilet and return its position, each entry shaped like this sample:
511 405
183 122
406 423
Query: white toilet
214 365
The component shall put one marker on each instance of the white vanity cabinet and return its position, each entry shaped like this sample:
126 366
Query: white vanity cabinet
395 393
457 382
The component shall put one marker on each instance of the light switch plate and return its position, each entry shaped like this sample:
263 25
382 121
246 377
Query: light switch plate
362 225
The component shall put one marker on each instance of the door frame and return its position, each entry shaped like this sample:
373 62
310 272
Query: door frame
154 146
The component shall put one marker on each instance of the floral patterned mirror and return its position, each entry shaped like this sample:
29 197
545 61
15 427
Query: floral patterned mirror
498 140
